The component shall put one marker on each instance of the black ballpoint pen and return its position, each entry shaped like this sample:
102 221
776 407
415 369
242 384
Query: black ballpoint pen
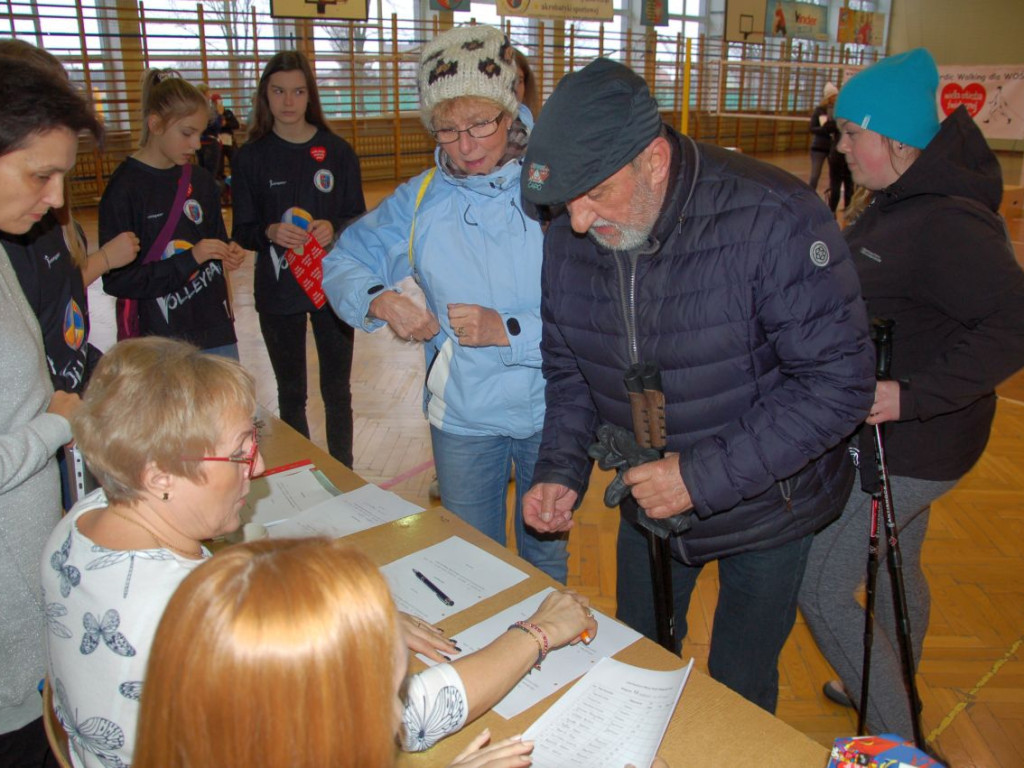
434 588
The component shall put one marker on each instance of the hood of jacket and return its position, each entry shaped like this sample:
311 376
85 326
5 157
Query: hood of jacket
957 162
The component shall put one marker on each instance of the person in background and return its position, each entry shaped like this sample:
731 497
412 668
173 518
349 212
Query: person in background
229 124
295 659
458 235
210 155
527 92
823 125
39 128
933 256
177 286
732 279
295 178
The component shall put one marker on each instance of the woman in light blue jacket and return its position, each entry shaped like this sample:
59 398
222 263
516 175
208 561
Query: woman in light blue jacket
459 231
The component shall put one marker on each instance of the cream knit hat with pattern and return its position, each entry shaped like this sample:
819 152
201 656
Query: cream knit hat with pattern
473 60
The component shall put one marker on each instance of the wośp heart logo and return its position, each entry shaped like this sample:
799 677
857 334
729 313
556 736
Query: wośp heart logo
972 97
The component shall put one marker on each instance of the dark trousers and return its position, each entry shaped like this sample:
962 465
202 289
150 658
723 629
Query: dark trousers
839 176
27 748
817 163
756 608
285 337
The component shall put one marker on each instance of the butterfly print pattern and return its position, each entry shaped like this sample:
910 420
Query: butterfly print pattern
69 575
97 735
438 720
107 631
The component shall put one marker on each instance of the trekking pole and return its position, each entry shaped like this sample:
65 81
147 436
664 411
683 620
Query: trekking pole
881 333
647 401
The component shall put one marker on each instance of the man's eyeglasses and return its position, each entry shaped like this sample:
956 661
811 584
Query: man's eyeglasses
248 458
477 131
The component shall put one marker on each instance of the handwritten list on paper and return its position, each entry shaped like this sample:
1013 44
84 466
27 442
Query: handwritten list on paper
615 715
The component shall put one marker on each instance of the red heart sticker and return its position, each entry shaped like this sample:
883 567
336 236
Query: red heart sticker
972 97
318 153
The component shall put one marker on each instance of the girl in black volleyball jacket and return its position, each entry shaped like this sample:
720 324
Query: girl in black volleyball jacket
293 178
181 291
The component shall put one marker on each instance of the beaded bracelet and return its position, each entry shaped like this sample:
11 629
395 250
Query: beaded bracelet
538 634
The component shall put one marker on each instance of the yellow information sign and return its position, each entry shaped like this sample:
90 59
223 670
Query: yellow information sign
577 10
353 10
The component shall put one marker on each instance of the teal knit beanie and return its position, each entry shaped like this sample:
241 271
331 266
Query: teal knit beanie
895 97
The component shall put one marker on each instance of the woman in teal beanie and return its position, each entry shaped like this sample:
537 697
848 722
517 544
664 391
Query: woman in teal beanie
933 255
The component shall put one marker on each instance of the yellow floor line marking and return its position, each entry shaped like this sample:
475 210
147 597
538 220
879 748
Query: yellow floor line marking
973 693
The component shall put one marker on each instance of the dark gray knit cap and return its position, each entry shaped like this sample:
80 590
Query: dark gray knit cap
597 120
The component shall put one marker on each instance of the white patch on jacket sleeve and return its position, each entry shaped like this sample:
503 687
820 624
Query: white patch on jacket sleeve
819 253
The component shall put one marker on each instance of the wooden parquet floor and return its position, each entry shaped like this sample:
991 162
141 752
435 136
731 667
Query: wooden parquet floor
972 673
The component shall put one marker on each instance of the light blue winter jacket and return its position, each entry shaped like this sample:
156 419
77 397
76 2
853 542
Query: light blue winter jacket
473 244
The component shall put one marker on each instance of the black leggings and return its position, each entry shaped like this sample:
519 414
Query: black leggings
285 337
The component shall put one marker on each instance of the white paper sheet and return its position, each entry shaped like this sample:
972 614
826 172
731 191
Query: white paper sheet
357 510
561 666
281 495
463 571
616 715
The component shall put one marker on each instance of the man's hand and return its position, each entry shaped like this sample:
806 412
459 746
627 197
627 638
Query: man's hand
406 318
547 507
477 326
658 487
887 403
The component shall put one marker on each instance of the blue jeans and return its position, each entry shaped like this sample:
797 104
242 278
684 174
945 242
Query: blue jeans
473 473
756 608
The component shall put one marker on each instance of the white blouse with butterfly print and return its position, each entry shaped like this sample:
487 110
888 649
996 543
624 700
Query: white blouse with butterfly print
102 610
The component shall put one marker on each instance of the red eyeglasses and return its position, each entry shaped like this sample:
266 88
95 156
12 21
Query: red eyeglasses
249 458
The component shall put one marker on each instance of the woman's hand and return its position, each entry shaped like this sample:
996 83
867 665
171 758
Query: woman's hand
425 638
287 235
64 403
406 318
477 326
887 403
564 616
503 754
207 249
235 256
323 232
120 251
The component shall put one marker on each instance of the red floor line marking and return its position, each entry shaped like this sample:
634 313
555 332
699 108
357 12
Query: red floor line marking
401 478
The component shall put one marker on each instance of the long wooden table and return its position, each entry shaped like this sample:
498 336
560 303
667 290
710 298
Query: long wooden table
712 726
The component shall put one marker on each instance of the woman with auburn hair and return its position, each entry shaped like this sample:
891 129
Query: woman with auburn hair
169 434
292 659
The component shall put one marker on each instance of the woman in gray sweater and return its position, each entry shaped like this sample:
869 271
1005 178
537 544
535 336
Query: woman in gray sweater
39 129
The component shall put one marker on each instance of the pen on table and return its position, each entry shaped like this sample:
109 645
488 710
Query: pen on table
434 588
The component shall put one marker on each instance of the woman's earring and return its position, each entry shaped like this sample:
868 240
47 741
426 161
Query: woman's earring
166 496
900 146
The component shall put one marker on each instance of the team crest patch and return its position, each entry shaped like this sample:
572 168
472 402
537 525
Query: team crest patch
193 211
819 253
318 153
323 180
74 325
537 174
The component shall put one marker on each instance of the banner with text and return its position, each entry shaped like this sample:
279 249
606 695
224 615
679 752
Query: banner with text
579 10
353 10
803 20
994 97
861 27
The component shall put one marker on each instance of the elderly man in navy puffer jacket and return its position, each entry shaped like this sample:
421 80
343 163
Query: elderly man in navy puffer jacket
732 278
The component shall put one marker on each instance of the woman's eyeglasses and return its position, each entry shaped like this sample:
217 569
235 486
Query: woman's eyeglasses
477 131
248 458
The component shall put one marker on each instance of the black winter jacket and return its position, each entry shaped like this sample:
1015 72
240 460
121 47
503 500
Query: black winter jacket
933 255
747 301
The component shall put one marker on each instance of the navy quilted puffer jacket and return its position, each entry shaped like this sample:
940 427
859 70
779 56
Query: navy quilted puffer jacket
746 299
